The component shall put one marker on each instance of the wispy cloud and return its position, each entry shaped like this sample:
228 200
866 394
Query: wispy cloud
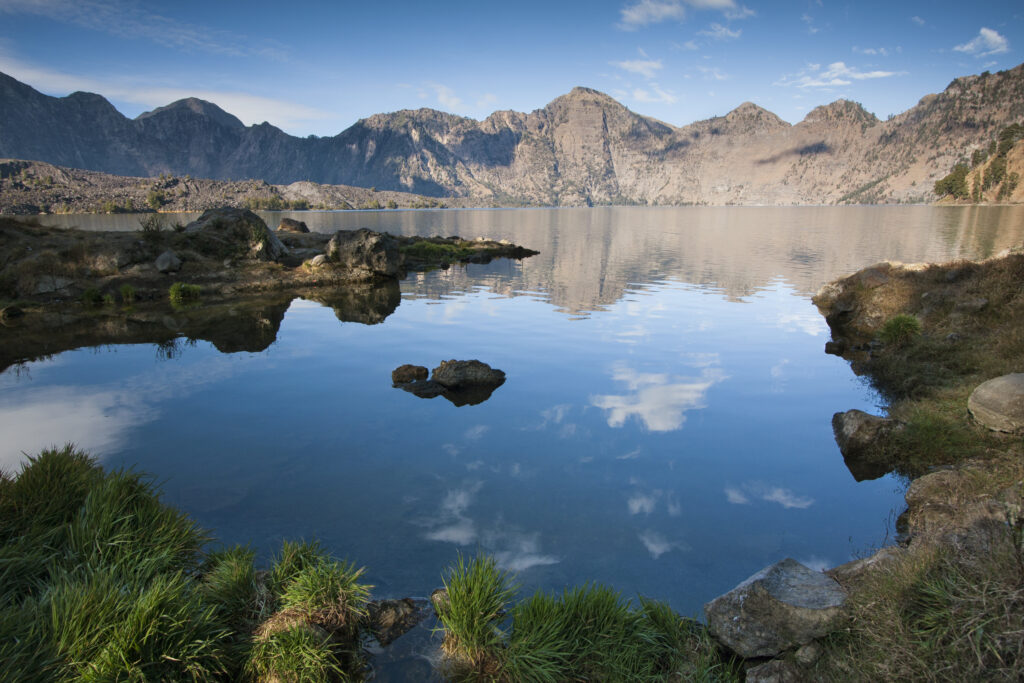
130 20
645 12
809 20
445 96
645 67
643 503
712 73
749 491
739 13
835 75
655 94
987 42
917 20
719 32
657 545
872 51
486 100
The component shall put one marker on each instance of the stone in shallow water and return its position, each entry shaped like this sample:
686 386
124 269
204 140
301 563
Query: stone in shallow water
781 606
863 441
999 403
408 373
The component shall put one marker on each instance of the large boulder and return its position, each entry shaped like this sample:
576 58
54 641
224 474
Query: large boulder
168 262
364 254
863 440
780 607
999 403
228 232
292 225
463 373
404 374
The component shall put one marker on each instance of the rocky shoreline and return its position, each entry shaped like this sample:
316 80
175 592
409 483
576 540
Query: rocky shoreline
226 252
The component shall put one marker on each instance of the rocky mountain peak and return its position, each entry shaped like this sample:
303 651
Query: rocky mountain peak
194 106
754 116
841 111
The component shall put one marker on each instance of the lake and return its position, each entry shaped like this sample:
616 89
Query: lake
665 426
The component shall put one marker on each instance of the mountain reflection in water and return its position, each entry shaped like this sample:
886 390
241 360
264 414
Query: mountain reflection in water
666 426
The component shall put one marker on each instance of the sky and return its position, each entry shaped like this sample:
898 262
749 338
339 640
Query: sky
315 68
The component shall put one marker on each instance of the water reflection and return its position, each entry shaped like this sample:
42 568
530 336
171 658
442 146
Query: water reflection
659 401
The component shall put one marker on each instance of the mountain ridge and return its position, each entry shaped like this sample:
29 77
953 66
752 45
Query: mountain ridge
582 148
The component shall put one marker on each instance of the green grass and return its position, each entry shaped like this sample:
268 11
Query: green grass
100 581
181 294
127 294
900 329
587 633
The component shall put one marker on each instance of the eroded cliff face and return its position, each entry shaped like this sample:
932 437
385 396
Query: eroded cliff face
582 148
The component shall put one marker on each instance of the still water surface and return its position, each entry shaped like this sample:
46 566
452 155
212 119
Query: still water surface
665 424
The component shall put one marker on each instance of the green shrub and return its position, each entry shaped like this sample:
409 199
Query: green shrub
328 592
181 293
900 329
108 299
92 297
299 654
127 294
294 558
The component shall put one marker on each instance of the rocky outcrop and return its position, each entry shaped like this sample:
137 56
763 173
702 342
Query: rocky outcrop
364 254
292 225
864 441
168 262
235 233
999 403
778 608
462 382
387 620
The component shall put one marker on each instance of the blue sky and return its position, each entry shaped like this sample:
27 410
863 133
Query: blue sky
316 68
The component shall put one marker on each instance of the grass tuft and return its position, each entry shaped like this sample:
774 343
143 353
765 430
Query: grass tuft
296 654
478 596
900 329
182 294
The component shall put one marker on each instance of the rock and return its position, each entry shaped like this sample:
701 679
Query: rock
874 276
318 261
47 284
999 403
775 671
389 619
238 232
292 225
863 441
469 395
168 262
835 348
464 373
852 571
408 373
781 606
439 600
808 654
365 254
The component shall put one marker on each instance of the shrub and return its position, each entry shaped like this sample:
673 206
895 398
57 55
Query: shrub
900 329
92 297
299 653
155 199
478 595
181 293
127 294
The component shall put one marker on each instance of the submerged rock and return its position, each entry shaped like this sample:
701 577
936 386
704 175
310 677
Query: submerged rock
423 388
292 225
365 254
999 403
390 619
863 440
781 606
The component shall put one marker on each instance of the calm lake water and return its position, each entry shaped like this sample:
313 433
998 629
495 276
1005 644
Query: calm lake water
665 424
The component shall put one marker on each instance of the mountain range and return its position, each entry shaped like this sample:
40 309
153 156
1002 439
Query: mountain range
582 148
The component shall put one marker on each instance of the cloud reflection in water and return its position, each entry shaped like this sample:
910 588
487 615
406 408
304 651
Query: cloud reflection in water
658 400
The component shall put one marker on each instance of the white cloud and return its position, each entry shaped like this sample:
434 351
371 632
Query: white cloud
719 32
736 497
658 96
917 20
486 100
712 73
656 544
251 109
475 433
809 20
643 502
688 45
445 96
837 74
645 12
881 51
786 498
742 12
645 67
987 42
658 401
